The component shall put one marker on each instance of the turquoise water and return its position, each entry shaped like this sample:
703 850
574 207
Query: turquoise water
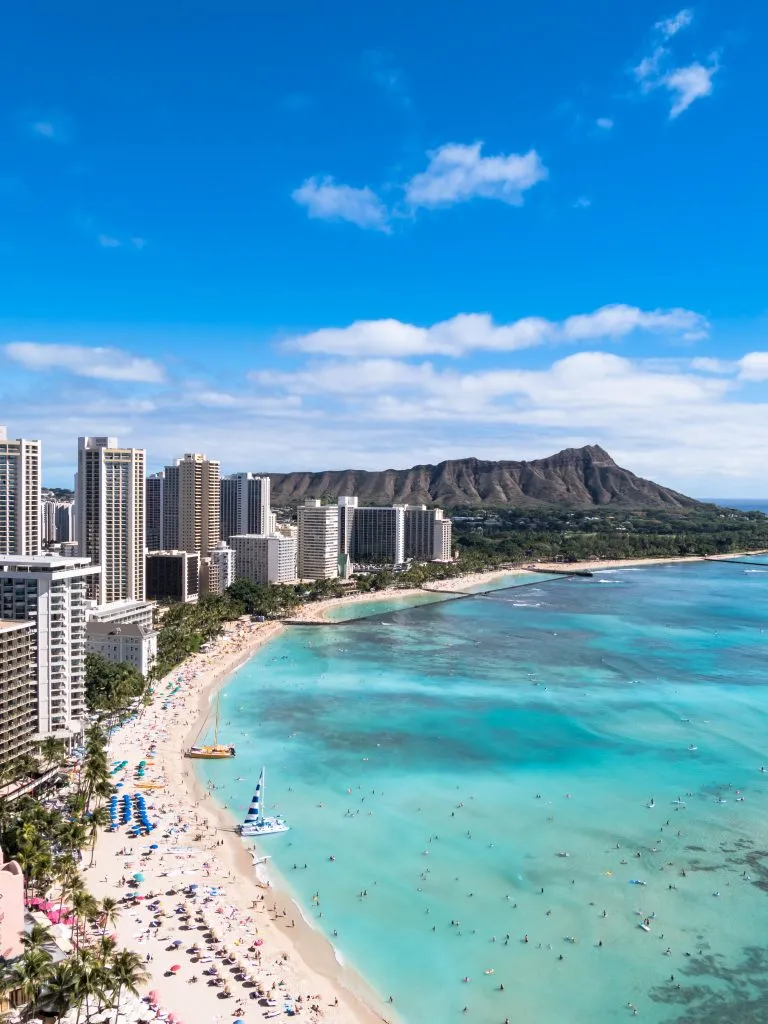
448 755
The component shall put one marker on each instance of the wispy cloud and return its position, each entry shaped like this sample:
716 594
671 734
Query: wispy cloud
324 199
685 83
669 27
469 332
606 123
582 203
99 363
457 173
688 84
108 242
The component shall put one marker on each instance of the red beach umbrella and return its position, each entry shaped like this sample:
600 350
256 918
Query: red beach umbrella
176 967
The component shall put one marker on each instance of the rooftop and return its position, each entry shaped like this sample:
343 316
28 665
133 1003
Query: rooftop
6 625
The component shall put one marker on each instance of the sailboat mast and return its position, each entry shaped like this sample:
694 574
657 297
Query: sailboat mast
261 787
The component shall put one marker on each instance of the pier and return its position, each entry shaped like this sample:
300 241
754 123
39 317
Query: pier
736 561
560 572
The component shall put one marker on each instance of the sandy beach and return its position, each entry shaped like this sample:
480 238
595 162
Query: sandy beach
257 939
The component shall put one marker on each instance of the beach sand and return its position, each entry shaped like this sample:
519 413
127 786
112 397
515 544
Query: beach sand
196 844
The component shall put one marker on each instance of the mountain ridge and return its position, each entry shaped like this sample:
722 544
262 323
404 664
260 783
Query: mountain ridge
574 477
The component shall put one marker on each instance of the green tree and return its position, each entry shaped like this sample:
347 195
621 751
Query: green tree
126 973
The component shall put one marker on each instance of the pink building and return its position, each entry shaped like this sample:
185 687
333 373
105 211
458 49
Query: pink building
11 909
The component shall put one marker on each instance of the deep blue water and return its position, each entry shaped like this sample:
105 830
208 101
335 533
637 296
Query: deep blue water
448 757
747 504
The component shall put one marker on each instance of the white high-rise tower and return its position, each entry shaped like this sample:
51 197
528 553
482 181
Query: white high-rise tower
110 516
20 502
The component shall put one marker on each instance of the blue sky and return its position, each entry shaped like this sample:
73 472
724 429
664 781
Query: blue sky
303 236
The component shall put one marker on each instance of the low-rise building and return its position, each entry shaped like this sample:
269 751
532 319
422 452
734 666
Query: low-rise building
130 643
264 559
138 647
12 916
173 575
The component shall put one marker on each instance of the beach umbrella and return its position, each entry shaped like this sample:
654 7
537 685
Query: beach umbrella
175 968
138 877
154 846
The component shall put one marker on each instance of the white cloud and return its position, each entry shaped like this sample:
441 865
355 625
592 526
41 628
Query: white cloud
99 363
138 243
109 242
618 320
582 203
669 27
326 200
754 366
647 70
467 332
606 123
706 364
457 173
688 84
685 83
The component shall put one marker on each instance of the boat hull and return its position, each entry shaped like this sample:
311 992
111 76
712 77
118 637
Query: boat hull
268 827
211 753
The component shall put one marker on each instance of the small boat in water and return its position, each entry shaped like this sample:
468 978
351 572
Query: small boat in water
214 751
255 823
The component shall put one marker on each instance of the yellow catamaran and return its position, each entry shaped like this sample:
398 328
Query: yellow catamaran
216 750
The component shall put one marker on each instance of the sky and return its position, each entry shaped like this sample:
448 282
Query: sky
302 236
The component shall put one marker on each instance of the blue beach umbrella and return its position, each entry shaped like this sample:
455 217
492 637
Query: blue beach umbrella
154 846
138 877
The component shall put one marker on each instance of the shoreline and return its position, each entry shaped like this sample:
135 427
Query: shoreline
295 952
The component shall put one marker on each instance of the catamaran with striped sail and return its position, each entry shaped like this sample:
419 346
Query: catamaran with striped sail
255 823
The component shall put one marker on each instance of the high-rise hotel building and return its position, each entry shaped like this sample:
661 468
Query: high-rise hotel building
50 591
318 541
371 535
110 490
245 505
155 501
20 504
185 506
427 534
391 534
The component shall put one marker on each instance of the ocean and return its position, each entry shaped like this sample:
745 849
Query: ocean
544 803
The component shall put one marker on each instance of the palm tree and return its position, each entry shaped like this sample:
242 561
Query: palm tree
31 972
105 948
127 973
84 906
99 819
52 751
37 937
109 913
60 988
90 979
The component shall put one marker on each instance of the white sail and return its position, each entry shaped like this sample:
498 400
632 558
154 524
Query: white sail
254 811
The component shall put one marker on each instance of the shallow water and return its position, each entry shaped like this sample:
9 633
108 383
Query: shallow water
447 755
